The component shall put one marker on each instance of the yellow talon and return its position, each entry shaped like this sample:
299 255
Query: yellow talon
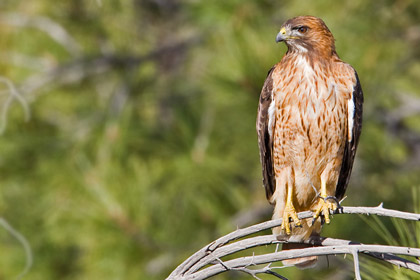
324 206
289 212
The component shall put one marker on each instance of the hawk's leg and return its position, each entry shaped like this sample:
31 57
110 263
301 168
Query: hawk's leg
289 212
335 200
324 204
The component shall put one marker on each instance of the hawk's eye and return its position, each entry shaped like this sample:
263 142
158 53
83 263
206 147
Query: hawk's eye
303 29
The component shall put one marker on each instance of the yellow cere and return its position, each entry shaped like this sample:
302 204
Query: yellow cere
283 30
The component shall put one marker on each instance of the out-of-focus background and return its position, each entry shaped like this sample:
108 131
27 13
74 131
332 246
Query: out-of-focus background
128 128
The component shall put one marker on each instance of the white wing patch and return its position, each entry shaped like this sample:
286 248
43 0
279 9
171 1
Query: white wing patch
350 117
271 116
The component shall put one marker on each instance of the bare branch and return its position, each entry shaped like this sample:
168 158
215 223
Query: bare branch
192 268
316 241
392 259
299 253
355 254
265 270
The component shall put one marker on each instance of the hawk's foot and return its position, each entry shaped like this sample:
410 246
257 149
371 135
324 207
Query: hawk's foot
325 204
289 213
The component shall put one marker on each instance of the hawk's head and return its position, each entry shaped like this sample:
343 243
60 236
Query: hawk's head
307 34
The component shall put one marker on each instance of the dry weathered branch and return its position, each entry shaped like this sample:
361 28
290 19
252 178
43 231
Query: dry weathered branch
298 253
192 268
392 259
270 239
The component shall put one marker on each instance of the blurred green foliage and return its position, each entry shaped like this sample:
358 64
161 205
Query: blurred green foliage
141 145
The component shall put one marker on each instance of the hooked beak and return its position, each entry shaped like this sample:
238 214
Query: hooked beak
281 36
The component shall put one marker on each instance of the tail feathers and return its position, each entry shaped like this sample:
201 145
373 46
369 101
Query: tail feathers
302 263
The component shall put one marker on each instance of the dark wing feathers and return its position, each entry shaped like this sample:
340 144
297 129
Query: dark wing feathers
350 148
265 142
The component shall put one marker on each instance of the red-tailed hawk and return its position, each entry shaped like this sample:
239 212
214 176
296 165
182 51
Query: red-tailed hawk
309 122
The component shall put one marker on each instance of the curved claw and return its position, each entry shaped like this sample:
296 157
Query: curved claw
324 207
337 202
289 214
